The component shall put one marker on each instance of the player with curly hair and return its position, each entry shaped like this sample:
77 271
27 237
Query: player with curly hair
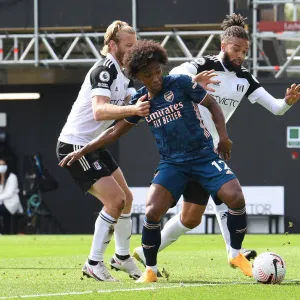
185 146
231 83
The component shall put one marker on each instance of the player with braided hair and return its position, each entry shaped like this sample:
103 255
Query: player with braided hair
231 83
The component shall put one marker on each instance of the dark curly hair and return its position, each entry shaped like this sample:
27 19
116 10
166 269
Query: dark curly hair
233 26
142 54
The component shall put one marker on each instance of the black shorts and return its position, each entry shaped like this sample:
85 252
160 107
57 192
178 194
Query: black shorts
90 168
195 193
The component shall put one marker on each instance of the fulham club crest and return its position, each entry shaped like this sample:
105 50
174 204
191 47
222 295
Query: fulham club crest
96 165
169 96
240 88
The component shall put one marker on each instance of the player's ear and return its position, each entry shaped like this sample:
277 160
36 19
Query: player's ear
112 45
223 46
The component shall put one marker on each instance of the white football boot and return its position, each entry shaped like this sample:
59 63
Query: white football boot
128 266
98 272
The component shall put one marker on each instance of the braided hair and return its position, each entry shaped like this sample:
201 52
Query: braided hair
234 27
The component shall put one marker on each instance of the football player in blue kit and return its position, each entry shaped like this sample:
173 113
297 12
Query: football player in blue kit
231 84
186 150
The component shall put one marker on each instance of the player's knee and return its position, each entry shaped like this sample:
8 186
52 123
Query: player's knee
118 203
153 213
190 221
129 198
237 200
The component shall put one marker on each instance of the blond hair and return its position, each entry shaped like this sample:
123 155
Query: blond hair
112 34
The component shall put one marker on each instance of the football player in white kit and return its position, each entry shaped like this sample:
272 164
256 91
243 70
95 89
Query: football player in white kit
231 83
101 100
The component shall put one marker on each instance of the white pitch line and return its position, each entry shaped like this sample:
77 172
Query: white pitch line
153 287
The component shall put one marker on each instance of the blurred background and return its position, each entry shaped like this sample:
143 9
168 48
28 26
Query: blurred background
46 48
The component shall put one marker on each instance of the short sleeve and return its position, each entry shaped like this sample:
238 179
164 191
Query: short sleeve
130 89
200 64
253 84
187 68
192 89
102 78
133 101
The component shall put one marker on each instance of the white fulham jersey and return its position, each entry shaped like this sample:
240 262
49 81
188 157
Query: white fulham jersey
105 78
230 91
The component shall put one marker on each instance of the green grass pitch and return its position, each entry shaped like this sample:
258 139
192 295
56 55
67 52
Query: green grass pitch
49 267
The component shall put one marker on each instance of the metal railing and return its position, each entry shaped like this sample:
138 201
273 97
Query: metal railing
82 48
258 37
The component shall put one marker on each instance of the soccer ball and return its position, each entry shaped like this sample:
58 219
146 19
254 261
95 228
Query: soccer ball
269 268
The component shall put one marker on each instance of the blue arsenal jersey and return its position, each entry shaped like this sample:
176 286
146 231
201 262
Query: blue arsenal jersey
175 120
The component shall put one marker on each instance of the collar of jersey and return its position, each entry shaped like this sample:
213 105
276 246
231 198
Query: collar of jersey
114 61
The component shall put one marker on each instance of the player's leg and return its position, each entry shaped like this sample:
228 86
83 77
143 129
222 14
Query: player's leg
122 259
217 178
93 176
165 190
221 211
195 199
231 194
113 199
194 203
159 200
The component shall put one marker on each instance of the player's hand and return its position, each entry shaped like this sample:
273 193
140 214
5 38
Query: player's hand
224 148
205 78
292 94
142 107
71 158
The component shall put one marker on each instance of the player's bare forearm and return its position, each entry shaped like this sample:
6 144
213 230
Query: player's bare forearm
104 110
107 111
107 137
217 115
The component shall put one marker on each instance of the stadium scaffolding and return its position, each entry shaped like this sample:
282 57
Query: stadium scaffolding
284 31
57 49
82 47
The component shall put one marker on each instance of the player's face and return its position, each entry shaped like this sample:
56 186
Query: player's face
152 77
126 41
234 53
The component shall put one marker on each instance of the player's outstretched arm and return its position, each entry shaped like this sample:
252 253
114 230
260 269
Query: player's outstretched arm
186 68
107 137
276 106
225 144
204 78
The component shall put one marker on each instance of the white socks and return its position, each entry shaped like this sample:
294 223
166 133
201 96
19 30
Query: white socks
172 230
122 234
234 252
221 214
153 268
104 228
